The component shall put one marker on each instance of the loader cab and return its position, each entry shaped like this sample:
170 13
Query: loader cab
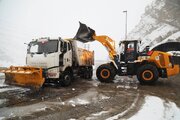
129 50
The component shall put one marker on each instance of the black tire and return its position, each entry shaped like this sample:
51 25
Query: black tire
147 74
87 73
66 79
90 72
105 73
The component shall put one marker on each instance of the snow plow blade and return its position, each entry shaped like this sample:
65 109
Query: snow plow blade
84 33
24 76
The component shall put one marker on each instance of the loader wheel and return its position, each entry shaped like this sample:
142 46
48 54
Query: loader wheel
66 79
105 73
147 74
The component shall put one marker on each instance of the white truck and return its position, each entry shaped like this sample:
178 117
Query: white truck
60 59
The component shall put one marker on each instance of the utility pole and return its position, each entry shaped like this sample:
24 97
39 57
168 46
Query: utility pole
125 24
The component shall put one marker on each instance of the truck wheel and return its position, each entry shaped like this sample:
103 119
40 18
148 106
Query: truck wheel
147 74
105 73
90 72
87 73
66 79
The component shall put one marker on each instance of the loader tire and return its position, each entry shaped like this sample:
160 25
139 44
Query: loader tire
66 79
105 73
147 74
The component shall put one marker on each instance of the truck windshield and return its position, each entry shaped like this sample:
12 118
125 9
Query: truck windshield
43 47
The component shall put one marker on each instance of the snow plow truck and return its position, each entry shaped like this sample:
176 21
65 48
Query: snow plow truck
51 60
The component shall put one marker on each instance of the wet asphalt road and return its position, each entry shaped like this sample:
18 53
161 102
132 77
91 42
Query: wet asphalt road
85 99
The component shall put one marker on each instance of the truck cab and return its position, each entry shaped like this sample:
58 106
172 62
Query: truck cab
60 59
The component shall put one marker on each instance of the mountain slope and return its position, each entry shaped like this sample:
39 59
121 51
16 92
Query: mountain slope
160 23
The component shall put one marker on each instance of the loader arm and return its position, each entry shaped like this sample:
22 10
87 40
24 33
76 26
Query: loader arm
86 34
108 43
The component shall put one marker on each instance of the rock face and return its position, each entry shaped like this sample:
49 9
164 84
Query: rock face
160 23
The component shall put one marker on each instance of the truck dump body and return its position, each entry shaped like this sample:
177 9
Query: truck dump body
86 57
82 57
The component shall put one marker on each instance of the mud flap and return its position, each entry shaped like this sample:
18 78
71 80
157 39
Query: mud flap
84 33
24 76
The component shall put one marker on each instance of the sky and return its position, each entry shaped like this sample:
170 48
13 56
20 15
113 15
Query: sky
23 20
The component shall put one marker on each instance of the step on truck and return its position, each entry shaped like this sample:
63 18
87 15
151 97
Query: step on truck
51 60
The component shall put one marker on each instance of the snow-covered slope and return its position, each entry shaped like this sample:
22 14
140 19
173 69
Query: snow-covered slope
160 23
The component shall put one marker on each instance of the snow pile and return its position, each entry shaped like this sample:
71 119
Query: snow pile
166 110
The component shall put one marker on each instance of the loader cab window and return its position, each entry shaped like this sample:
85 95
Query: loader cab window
130 47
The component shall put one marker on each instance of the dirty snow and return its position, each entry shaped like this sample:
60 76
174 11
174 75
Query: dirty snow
88 97
96 115
115 117
157 109
23 110
2 101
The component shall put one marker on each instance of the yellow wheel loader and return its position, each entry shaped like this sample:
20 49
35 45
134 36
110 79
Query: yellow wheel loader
51 61
148 66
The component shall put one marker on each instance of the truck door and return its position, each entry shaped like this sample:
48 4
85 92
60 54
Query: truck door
65 59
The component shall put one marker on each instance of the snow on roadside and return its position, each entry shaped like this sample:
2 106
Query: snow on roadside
8 89
157 109
4 89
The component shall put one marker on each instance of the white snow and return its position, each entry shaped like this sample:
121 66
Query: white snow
99 113
71 119
103 97
2 118
2 84
157 109
158 4
95 116
78 101
13 88
41 109
146 23
8 89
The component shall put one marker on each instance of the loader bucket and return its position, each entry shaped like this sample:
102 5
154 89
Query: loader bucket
84 33
24 76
